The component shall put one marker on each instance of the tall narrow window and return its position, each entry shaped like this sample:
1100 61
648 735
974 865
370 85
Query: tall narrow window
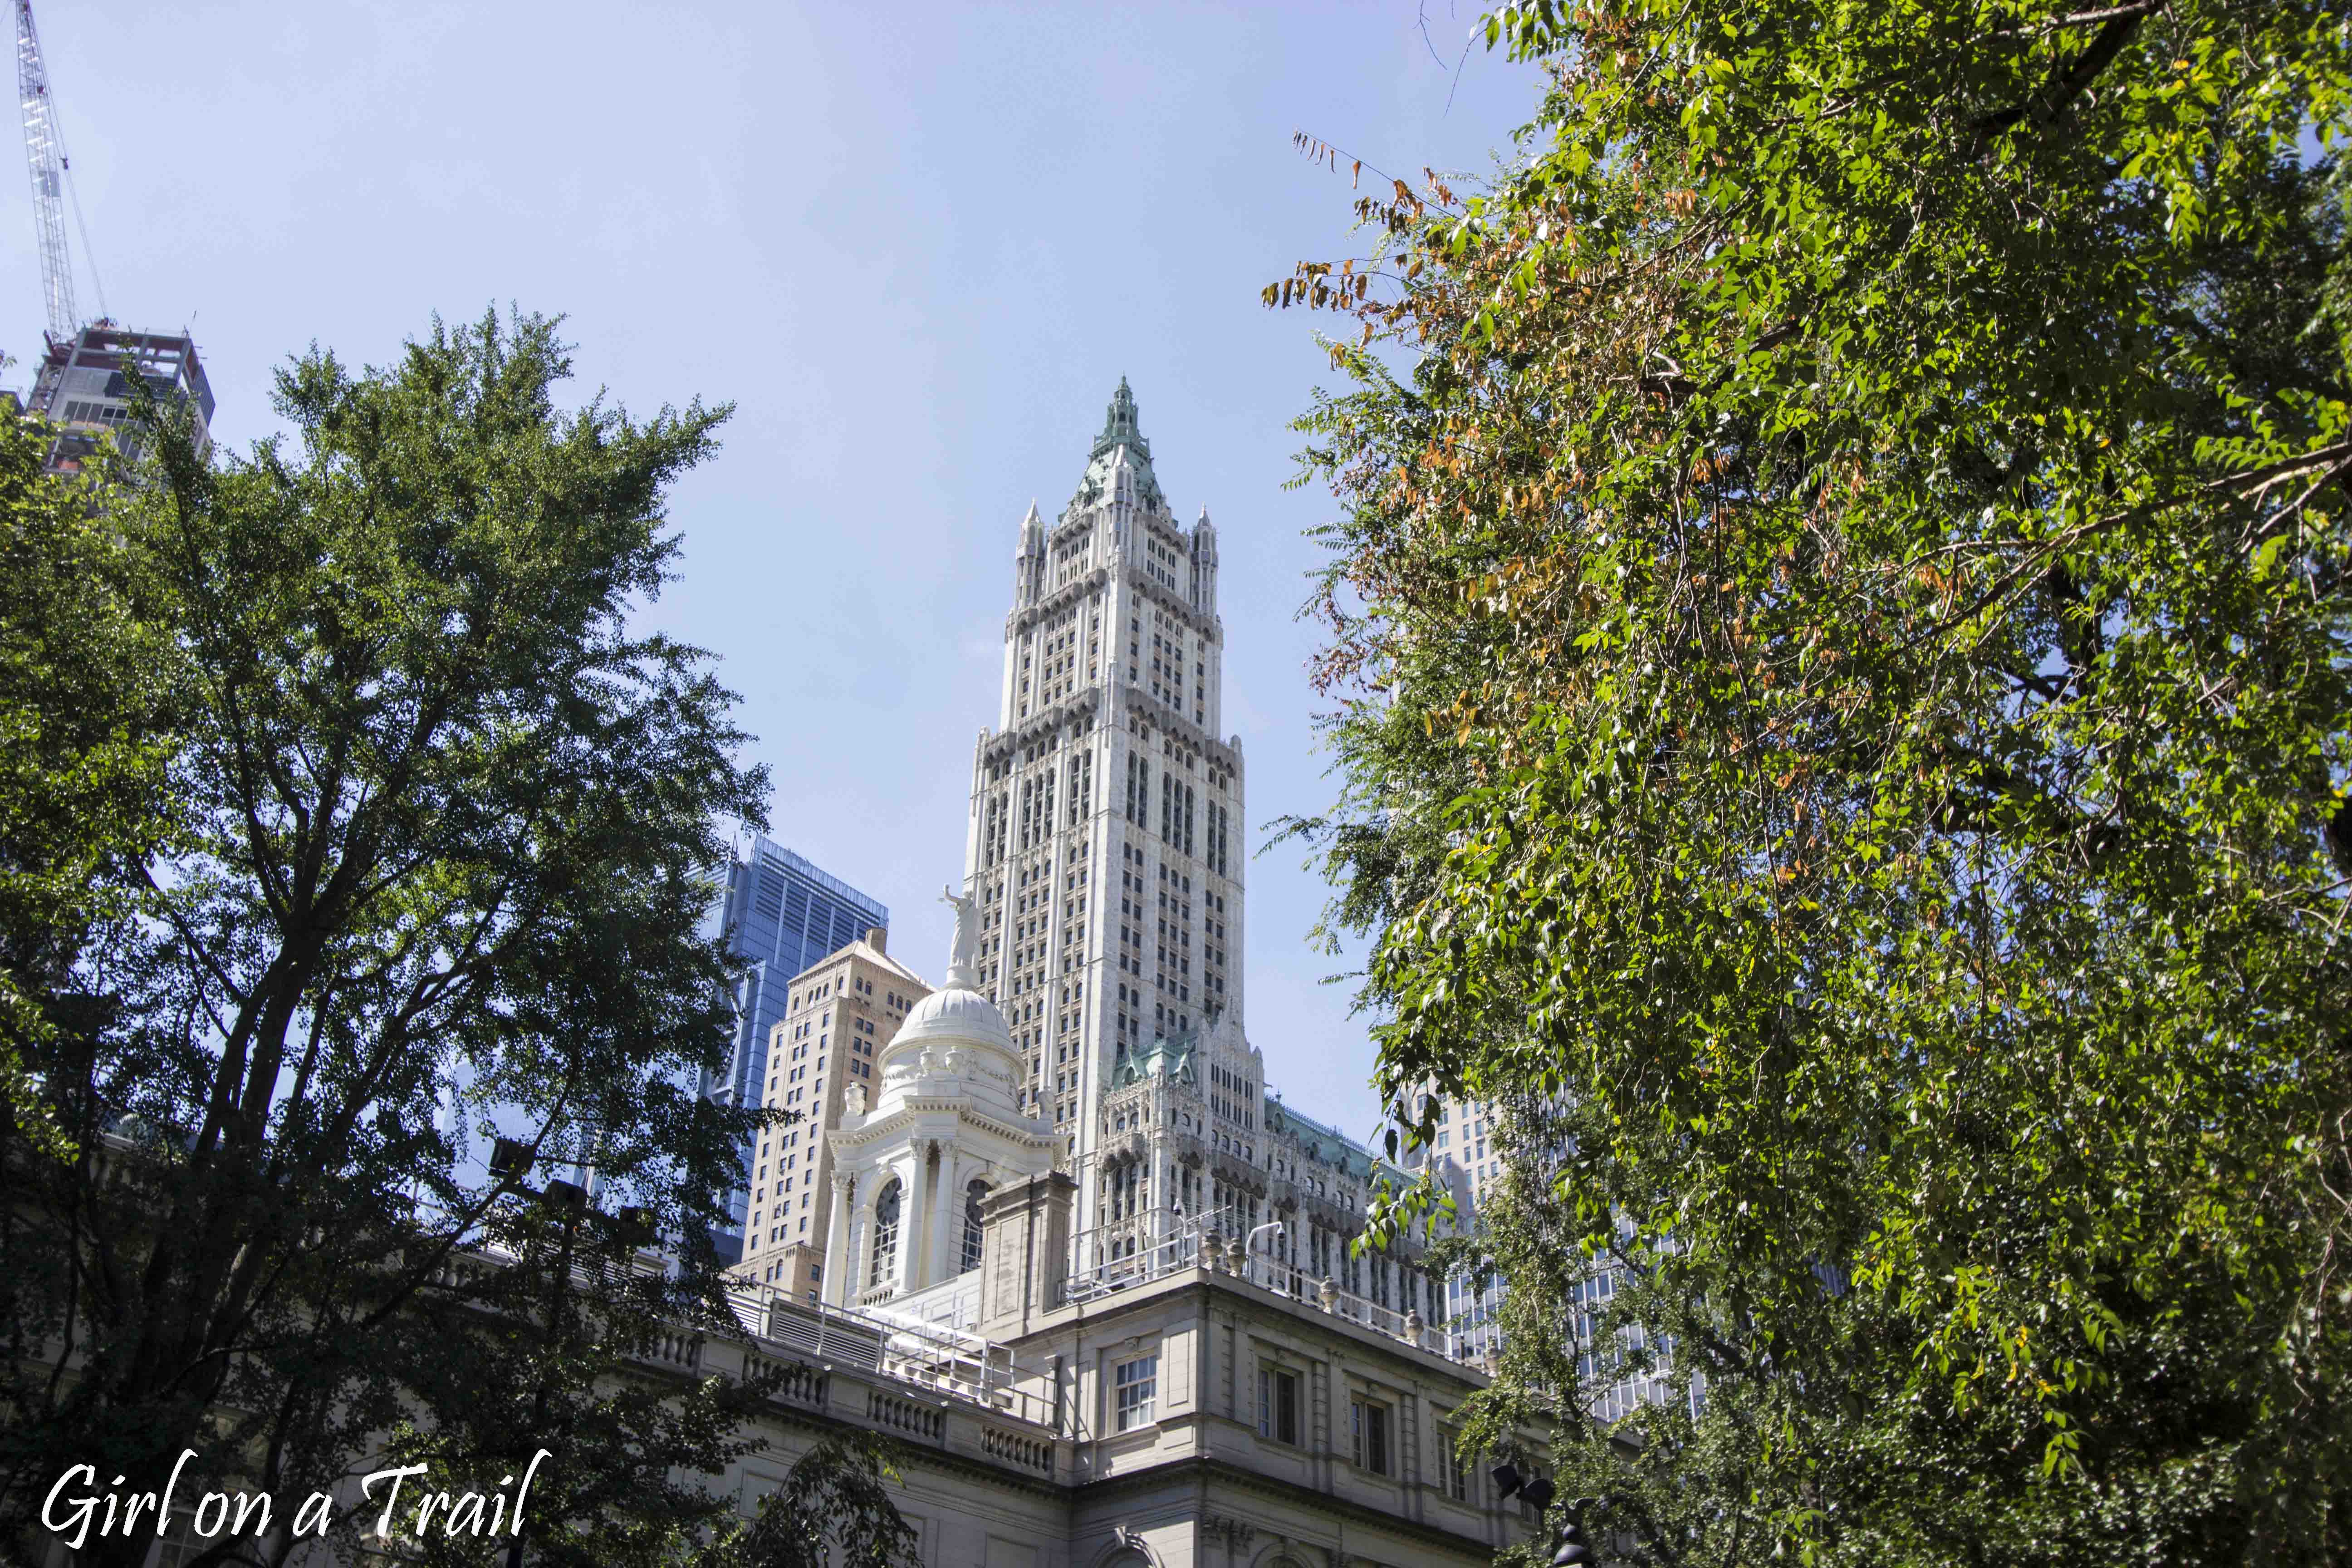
973 1194
1454 1464
886 1235
1368 1422
1277 1405
1133 1385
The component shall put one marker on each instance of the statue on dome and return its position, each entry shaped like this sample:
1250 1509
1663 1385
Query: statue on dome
963 957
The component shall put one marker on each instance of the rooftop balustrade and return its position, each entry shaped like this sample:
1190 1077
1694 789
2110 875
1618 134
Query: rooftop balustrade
1130 1253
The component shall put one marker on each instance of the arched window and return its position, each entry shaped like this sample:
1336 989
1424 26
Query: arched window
973 1194
886 1235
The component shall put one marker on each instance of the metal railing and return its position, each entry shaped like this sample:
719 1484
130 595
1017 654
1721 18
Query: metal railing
1129 1253
926 1341
944 1357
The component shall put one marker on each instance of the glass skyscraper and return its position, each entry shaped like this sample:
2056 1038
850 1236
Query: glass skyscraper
782 914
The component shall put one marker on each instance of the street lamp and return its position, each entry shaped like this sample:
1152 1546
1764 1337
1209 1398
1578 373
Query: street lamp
1572 1552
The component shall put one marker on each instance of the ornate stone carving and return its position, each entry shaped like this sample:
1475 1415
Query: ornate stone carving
1236 1533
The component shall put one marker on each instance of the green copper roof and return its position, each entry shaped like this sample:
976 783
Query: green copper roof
1322 1142
1120 431
1119 427
1172 1052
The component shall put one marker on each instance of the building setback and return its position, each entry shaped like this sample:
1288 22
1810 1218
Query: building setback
1104 845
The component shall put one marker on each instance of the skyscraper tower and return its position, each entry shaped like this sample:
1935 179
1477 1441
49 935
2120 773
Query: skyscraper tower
1105 842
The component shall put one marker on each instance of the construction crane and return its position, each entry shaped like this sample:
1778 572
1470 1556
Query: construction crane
45 152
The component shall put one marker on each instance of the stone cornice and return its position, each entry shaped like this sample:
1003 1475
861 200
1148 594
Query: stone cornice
1168 718
1077 588
1206 1468
1076 710
874 1128
1296 1313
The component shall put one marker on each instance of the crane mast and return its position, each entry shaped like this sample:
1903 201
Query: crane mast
45 153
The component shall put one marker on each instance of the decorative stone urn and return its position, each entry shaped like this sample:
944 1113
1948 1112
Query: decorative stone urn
1328 1294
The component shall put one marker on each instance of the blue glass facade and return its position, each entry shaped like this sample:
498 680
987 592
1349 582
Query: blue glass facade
782 915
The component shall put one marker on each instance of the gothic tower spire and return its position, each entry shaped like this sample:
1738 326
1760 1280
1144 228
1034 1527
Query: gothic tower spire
1105 851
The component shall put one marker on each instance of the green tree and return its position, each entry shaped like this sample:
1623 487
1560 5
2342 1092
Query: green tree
444 840
1840 644
834 1510
84 689
579 1349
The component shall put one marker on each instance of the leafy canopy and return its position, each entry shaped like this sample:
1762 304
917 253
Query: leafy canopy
86 686
1839 632
444 835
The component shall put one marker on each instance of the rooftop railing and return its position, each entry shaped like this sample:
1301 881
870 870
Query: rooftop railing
942 1356
1129 1253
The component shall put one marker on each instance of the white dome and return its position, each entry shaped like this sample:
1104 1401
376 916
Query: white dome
957 1015
954 1046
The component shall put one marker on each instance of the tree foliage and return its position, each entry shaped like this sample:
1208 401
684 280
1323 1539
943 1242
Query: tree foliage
577 1347
443 832
86 686
1840 634
834 1510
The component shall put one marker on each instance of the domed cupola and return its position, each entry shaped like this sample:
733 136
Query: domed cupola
945 1126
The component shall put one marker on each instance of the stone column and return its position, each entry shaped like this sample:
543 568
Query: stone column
914 1218
837 1243
938 1264
910 1222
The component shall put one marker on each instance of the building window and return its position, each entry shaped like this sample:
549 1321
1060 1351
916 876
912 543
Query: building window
1369 1428
1134 1383
1453 1465
1277 1405
886 1235
973 1194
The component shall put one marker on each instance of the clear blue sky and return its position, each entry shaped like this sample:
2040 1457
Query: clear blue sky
916 247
